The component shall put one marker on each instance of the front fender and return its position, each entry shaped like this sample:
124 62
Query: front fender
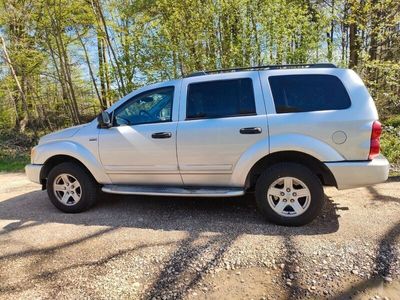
43 152
290 142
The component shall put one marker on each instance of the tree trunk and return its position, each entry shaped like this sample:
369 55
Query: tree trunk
114 55
329 35
14 103
69 77
106 75
65 71
65 96
21 91
344 33
103 90
375 19
103 106
257 57
354 46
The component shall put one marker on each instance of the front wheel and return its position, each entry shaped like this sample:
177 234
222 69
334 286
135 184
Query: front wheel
289 194
70 188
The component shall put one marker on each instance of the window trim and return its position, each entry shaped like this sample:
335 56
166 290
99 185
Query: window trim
219 117
114 124
310 111
227 116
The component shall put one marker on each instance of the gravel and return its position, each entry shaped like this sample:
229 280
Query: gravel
169 248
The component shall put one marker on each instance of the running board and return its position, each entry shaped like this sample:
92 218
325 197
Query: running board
172 191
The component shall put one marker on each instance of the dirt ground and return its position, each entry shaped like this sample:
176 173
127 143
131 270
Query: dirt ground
174 248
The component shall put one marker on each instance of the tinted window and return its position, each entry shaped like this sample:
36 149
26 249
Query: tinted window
222 98
149 107
301 93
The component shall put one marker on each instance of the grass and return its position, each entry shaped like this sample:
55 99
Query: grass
14 150
13 163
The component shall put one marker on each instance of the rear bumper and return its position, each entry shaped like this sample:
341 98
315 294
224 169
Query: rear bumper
33 172
361 173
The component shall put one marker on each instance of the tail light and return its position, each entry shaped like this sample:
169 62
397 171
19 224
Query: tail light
375 140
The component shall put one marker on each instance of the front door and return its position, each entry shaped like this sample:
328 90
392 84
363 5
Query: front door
220 119
141 146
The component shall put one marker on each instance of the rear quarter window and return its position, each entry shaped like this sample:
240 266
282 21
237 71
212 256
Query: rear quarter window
303 93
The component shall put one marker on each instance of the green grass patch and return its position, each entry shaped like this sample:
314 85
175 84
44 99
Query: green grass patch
13 163
14 150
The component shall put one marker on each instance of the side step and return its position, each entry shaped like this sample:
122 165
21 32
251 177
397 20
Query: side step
173 191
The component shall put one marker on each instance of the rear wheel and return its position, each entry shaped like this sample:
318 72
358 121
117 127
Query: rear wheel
289 194
70 188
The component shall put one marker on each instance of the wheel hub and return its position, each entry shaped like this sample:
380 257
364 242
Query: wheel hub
289 196
67 189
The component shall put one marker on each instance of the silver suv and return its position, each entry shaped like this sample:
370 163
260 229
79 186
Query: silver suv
283 132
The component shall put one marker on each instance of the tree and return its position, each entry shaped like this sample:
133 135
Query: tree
67 60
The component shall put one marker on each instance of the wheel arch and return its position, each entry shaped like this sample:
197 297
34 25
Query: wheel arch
315 165
49 154
55 160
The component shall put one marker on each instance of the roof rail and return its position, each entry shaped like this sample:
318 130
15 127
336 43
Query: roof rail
266 67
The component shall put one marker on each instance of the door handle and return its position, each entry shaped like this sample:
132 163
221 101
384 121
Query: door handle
161 135
251 130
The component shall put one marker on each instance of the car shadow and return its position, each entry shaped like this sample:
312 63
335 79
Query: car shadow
385 258
220 215
228 217
380 197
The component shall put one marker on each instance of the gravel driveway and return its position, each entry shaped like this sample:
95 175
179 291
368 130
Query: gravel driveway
168 248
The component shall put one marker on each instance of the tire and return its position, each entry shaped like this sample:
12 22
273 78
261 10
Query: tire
71 188
289 194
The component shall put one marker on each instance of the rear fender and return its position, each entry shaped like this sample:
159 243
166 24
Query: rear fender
290 142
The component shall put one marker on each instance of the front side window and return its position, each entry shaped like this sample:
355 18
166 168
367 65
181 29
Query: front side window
221 98
303 93
150 107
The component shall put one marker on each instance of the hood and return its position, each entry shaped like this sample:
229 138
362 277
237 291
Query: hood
61 134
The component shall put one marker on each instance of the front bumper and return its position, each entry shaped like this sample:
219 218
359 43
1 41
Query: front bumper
359 173
33 172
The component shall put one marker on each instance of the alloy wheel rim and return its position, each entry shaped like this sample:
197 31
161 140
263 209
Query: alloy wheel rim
67 189
289 197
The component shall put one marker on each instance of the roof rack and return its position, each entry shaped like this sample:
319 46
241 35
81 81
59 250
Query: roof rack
266 67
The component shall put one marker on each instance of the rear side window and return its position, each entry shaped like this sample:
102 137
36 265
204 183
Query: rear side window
302 93
222 98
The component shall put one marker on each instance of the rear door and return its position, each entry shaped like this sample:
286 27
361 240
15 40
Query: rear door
221 116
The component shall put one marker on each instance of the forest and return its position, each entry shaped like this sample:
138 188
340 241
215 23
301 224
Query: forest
63 61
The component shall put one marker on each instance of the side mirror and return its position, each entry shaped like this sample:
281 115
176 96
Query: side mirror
104 120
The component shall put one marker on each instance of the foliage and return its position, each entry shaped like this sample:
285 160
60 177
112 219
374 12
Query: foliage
13 163
73 58
390 144
390 140
382 78
14 150
393 121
